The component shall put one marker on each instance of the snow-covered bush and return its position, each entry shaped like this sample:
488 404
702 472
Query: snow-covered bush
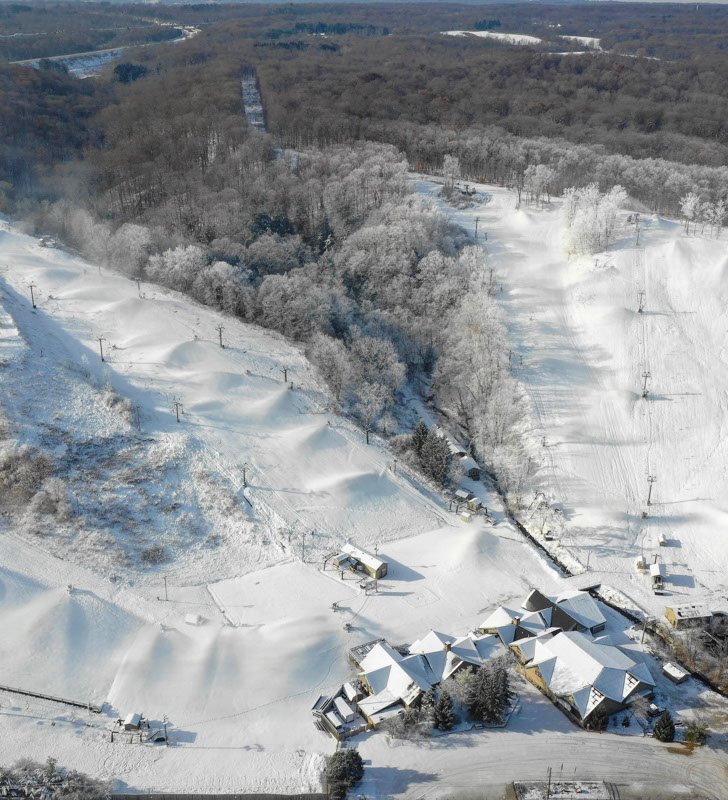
22 472
123 406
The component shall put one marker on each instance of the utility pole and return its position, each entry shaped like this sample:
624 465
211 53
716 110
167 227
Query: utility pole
395 465
245 479
548 787
166 596
220 329
138 416
650 479
477 220
177 408
285 374
641 301
164 723
32 286
645 375
101 347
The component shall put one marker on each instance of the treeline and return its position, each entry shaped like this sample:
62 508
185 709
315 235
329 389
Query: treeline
45 119
79 41
639 107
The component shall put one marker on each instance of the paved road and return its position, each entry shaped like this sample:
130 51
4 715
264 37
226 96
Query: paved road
641 768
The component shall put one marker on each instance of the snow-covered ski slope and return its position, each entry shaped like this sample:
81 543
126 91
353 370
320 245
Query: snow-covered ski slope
308 470
584 349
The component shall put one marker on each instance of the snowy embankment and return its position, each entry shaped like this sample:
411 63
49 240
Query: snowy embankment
582 350
508 38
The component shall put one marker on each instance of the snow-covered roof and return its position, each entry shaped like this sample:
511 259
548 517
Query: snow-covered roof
691 611
444 653
528 646
468 463
372 561
500 617
403 677
582 607
674 671
572 662
657 570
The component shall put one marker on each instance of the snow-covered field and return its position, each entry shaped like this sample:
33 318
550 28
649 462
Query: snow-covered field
509 38
237 690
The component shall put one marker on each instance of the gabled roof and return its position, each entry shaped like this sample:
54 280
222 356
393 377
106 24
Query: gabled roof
571 662
537 601
582 607
528 646
501 616
372 561
442 661
403 677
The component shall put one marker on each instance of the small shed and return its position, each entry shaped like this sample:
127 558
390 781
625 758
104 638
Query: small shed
470 467
351 693
475 504
346 712
674 673
364 561
657 576
133 722
640 564
661 540
688 615
466 516
462 496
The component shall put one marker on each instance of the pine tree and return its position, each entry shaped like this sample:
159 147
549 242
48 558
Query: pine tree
346 768
435 457
665 727
484 700
502 685
598 719
443 716
419 435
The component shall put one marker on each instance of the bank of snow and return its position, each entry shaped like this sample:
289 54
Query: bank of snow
508 38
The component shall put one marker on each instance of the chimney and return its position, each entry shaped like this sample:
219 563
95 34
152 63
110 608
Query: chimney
447 647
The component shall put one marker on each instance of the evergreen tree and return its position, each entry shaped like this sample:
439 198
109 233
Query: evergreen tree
443 716
665 727
346 769
502 685
419 435
436 457
484 700
598 719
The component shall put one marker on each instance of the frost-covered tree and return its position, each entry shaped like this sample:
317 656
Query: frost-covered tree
332 358
689 209
590 218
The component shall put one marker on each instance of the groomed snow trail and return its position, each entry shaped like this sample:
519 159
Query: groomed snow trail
584 349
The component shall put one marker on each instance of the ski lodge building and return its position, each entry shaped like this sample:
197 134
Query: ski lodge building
555 642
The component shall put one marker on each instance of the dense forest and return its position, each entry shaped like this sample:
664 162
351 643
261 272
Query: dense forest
152 168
